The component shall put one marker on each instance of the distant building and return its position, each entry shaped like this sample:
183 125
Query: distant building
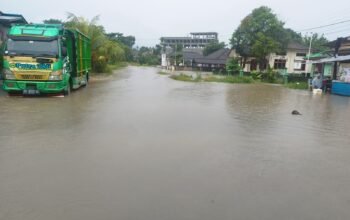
6 20
291 61
195 40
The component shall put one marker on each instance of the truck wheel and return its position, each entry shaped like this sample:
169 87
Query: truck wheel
68 89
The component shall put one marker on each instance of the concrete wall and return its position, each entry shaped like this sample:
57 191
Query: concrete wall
291 61
290 57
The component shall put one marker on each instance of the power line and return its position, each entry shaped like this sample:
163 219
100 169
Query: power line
339 31
323 26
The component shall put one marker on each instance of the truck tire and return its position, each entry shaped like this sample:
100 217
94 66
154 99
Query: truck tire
68 89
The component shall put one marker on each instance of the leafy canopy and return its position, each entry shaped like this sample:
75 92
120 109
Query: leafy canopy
212 47
259 34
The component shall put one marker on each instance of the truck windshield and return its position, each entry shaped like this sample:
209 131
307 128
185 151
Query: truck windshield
32 48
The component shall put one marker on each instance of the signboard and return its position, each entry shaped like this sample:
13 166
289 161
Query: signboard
164 61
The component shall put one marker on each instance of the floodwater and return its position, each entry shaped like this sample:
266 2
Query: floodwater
143 146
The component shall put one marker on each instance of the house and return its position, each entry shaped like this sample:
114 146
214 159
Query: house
325 68
6 20
216 60
291 61
334 63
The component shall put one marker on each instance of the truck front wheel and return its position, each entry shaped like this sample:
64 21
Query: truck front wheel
68 89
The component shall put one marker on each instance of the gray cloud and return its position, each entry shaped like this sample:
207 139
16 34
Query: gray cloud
149 20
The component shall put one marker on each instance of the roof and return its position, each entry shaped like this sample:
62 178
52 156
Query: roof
176 38
320 55
333 59
8 19
333 43
191 55
39 30
297 46
218 57
204 33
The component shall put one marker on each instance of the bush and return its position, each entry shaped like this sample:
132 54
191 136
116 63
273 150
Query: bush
270 75
232 67
298 85
256 75
230 79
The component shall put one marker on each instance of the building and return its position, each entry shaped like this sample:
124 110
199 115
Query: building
195 40
6 20
337 61
214 61
291 61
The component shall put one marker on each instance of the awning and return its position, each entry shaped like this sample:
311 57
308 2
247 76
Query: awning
332 59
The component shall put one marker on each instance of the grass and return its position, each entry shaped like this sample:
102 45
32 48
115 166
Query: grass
297 85
230 79
220 79
163 73
185 78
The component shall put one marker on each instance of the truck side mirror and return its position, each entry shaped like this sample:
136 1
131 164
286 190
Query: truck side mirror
64 51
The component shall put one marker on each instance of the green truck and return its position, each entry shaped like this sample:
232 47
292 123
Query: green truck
45 59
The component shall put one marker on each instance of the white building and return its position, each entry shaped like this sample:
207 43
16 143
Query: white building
292 61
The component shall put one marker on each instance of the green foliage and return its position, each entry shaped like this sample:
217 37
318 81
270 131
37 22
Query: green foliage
256 75
125 42
232 66
148 56
103 50
220 79
230 79
129 41
294 36
319 42
264 45
298 85
163 73
259 34
186 78
212 47
270 75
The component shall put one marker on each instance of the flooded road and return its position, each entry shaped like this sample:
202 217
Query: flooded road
143 146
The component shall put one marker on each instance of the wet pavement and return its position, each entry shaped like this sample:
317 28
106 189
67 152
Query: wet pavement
143 146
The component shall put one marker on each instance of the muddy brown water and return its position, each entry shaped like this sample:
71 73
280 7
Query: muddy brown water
143 146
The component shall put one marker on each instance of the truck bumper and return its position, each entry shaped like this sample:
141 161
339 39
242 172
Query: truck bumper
34 87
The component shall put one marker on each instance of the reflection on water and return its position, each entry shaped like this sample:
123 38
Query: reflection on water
142 146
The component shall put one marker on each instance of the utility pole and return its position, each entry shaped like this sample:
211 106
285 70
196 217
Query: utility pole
175 54
308 58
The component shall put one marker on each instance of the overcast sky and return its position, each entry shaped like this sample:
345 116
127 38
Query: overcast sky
149 20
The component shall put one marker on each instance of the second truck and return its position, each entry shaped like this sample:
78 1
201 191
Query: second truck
45 59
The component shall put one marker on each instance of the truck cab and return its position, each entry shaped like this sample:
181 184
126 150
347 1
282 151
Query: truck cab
45 59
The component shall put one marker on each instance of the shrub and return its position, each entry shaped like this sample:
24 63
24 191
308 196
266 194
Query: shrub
232 66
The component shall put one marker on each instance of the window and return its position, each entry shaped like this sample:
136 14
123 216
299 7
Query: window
301 54
32 47
299 65
281 53
280 64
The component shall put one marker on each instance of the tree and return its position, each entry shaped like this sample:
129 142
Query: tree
294 36
232 66
53 21
126 43
212 47
103 50
148 56
319 42
126 40
259 34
